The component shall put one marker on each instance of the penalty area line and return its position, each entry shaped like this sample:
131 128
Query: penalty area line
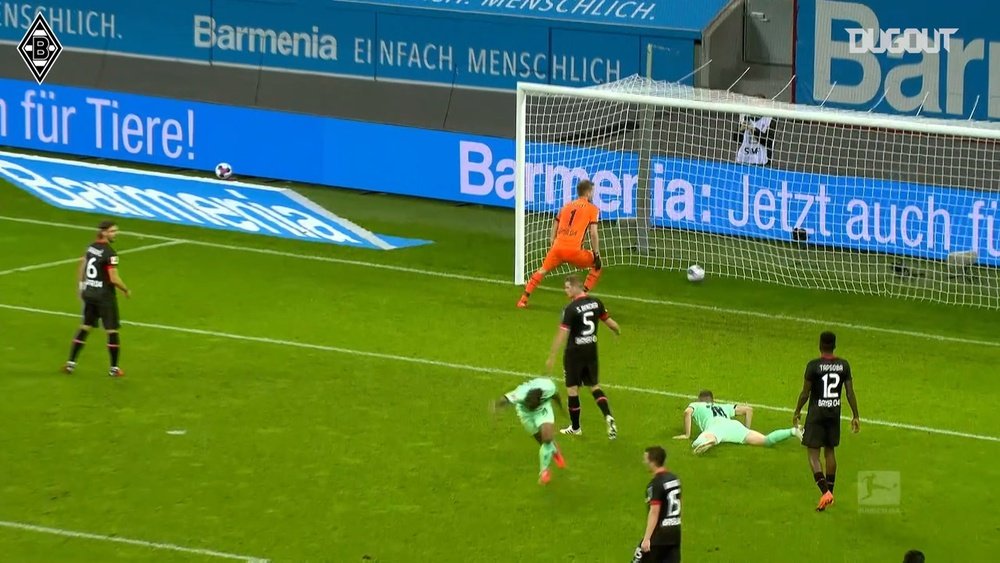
494 281
472 368
128 541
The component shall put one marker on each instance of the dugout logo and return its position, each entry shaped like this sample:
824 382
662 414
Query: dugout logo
39 48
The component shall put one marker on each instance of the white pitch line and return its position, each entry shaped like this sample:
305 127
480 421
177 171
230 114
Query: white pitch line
77 259
127 541
466 367
495 281
76 227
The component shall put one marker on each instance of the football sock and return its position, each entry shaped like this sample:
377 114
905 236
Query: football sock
536 279
545 453
602 402
78 342
574 411
114 347
592 279
777 436
830 478
821 482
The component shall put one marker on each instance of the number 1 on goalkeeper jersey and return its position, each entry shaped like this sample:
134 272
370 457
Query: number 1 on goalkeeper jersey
576 221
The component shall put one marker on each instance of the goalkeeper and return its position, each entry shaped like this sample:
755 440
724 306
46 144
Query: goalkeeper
718 425
576 220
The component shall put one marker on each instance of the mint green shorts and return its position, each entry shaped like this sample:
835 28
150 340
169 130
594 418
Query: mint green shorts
726 432
533 420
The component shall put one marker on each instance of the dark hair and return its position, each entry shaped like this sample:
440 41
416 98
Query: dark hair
105 225
657 455
584 187
706 393
827 341
574 281
913 556
533 399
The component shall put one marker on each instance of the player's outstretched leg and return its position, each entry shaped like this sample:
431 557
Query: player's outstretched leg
755 438
602 403
533 283
592 278
78 341
592 261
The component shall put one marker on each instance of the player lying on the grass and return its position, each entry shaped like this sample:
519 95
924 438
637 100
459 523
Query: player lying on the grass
533 402
575 221
718 425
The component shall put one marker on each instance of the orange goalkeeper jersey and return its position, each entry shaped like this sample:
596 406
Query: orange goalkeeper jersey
574 218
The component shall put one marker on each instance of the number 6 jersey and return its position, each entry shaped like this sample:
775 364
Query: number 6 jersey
97 263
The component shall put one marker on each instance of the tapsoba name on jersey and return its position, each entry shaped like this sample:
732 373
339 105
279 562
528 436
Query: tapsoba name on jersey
96 276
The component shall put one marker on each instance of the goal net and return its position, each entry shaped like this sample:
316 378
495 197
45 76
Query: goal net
759 190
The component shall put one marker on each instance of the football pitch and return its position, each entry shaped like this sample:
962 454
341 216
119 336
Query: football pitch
292 401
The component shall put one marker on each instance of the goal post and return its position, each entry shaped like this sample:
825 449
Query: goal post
819 198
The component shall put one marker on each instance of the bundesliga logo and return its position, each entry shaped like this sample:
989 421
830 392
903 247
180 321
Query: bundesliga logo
39 48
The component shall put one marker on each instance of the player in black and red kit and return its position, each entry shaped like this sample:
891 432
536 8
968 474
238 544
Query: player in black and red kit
97 279
578 332
661 542
825 378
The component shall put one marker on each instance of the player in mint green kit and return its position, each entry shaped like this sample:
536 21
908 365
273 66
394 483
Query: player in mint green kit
533 402
718 425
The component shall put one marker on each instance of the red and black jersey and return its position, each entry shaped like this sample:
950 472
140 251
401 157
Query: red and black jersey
580 318
826 376
97 264
664 490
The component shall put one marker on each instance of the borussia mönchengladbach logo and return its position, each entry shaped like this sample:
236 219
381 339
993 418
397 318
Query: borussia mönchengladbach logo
39 48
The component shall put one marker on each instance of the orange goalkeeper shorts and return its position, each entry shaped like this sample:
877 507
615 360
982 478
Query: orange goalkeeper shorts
558 256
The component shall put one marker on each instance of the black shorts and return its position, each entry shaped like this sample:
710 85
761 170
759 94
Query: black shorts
657 554
105 310
579 371
821 433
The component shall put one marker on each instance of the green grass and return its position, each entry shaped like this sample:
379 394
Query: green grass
316 454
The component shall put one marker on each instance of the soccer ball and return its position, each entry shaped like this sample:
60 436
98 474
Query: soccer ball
695 273
223 170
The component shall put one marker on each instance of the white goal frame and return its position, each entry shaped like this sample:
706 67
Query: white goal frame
711 101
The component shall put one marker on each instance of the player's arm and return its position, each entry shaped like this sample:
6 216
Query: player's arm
853 401
595 245
651 520
79 274
745 411
612 325
117 280
687 424
803 397
557 344
607 320
500 403
555 231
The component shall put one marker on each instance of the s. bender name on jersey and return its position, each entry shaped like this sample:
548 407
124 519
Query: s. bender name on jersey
590 338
